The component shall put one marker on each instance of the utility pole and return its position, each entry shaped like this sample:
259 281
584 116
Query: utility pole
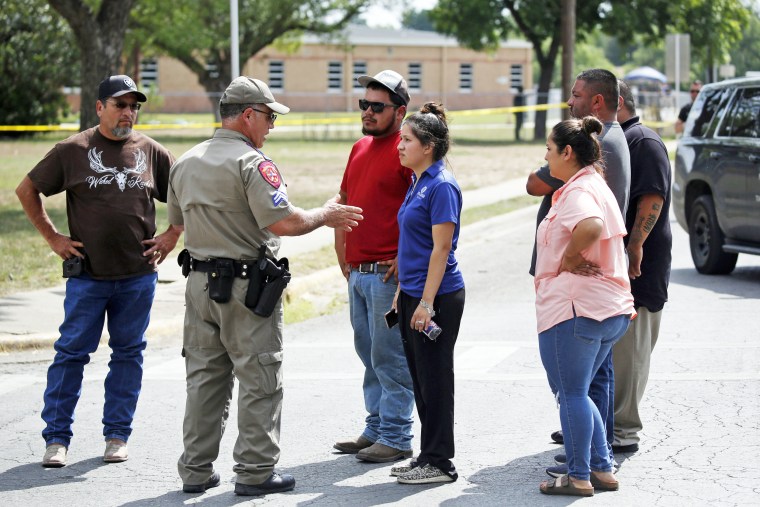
568 50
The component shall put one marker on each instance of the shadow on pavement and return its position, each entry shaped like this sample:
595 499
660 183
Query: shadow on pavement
33 475
744 282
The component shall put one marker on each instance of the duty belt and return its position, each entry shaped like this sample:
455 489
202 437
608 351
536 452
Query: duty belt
371 267
242 268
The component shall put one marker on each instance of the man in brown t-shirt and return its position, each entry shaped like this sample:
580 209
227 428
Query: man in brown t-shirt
111 176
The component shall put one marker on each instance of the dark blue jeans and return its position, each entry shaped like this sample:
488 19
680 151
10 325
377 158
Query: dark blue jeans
127 304
572 352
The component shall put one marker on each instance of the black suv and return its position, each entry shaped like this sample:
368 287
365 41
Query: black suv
716 193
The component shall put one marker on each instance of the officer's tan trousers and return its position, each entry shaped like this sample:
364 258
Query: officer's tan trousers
223 341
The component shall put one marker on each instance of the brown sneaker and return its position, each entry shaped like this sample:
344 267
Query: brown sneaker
55 456
116 451
379 453
352 446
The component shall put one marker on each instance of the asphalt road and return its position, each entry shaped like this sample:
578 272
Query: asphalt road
699 445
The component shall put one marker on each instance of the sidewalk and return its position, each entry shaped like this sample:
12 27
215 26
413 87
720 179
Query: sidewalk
31 319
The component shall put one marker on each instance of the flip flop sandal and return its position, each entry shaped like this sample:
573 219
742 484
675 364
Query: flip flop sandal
562 485
603 485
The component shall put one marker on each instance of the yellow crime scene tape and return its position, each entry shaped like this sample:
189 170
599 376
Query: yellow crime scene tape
284 121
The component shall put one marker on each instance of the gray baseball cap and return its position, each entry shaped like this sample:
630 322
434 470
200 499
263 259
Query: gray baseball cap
247 90
391 80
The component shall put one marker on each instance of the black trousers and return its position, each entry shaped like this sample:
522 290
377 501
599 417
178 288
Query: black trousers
431 364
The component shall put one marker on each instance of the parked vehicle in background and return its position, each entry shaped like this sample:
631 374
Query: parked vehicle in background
716 193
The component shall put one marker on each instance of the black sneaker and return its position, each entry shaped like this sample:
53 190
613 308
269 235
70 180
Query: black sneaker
560 459
557 437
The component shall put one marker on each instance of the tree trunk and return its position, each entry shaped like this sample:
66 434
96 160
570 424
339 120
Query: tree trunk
546 64
100 38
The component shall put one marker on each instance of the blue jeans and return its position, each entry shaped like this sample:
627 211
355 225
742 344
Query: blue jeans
127 304
572 352
388 393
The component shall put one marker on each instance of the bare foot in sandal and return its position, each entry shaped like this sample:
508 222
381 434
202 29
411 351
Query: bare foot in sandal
604 481
566 485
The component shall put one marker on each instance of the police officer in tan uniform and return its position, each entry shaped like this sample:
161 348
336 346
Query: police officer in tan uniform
231 200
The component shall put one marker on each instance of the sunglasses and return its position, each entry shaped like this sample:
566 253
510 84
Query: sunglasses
377 107
693 91
272 116
123 105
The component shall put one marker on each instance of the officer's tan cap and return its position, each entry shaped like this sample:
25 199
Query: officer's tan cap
247 90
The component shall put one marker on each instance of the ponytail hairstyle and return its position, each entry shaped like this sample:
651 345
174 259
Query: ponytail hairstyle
430 127
582 135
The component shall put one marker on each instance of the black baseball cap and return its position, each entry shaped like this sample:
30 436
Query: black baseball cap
391 80
116 86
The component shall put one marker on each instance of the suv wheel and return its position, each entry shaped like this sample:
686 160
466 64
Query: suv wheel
706 240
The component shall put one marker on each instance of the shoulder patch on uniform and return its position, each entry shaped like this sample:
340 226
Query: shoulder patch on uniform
269 172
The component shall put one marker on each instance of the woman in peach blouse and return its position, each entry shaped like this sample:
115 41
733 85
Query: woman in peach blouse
583 298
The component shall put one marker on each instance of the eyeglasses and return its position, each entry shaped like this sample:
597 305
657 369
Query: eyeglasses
272 116
377 107
123 105
693 91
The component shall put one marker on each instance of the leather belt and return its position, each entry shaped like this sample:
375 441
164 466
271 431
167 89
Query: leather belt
242 268
371 267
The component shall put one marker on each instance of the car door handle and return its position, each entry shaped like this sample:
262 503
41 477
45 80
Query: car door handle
715 155
754 159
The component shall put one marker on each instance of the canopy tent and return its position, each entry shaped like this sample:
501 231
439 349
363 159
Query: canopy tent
645 74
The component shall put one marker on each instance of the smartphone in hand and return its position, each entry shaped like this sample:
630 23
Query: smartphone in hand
391 318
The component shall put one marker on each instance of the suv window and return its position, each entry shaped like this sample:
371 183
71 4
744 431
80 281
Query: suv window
709 104
744 118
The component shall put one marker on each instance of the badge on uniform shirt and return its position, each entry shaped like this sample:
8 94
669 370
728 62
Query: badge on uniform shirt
271 175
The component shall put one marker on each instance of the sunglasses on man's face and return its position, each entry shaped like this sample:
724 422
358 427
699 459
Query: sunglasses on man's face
123 105
377 107
693 91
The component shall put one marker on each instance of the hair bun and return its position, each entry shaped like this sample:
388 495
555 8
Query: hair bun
592 125
434 109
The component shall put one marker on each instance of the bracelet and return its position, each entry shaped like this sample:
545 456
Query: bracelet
427 307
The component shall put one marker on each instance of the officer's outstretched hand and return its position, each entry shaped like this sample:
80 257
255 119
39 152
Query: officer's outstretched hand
339 216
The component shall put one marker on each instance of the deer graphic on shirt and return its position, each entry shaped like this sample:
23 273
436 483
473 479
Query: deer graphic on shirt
96 164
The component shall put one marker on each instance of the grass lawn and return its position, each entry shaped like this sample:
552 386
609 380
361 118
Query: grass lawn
311 162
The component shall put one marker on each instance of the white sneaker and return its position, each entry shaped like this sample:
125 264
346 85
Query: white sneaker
55 456
116 451
402 469
425 475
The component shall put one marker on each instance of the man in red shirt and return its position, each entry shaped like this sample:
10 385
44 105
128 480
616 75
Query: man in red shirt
376 181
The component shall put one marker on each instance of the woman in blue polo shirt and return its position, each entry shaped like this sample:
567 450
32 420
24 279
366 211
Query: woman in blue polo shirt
431 290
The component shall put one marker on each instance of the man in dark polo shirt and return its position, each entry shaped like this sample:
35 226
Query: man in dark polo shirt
648 244
376 181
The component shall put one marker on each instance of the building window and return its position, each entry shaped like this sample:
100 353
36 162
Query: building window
277 74
465 77
335 76
515 76
212 70
360 69
415 76
148 73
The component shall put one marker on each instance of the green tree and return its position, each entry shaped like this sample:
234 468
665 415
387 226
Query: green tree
715 26
36 62
417 20
99 34
197 32
482 24
745 55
